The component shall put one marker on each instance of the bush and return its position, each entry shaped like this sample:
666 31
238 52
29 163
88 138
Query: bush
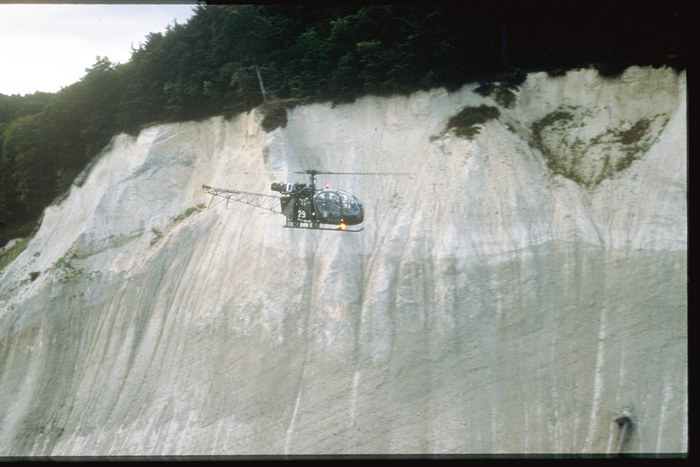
274 116
466 123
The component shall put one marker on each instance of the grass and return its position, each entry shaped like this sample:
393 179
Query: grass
173 220
65 266
188 212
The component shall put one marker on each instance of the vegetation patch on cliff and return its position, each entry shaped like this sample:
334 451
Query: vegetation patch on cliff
504 92
65 268
467 123
158 234
573 148
7 256
275 113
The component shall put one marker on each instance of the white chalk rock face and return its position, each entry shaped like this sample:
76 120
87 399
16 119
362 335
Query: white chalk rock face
513 295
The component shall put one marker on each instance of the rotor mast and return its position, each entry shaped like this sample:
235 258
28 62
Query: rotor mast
312 177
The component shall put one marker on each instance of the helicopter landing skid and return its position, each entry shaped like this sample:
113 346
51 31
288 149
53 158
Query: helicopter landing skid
323 228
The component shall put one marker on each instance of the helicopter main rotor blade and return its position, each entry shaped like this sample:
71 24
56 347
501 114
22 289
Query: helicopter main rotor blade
322 172
248 172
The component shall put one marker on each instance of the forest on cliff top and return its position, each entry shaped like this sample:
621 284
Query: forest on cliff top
231 58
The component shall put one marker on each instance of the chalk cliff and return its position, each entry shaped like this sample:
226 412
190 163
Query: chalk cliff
513 295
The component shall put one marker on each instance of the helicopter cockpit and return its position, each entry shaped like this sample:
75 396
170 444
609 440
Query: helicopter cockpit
337 206
303 203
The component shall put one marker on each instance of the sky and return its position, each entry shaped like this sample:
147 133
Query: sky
45 47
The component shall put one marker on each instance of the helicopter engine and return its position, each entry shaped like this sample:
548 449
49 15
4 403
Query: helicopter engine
280 187
296 189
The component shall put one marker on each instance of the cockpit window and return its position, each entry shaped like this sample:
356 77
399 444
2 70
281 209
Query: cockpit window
332 204
350 204
328 204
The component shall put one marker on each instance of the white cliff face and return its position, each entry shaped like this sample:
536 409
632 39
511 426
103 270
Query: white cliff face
492 304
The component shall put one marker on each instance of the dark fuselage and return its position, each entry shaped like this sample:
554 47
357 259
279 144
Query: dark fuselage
304 204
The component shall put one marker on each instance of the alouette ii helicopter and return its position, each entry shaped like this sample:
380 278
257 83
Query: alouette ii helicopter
304 206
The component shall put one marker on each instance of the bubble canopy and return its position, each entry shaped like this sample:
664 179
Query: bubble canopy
336 206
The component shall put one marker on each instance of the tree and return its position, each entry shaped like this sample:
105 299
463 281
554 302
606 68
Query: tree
25 152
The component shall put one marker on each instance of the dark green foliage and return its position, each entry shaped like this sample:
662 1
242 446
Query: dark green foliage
232 58
12 107
505 96
7 256
275 117
466 123
44 150
485 89
610 70
503 91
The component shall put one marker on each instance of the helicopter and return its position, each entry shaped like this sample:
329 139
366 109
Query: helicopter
303 205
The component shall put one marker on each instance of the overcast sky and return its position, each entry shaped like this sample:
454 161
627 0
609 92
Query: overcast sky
44 47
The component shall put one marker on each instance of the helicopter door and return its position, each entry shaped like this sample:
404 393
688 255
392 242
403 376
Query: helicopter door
329 206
